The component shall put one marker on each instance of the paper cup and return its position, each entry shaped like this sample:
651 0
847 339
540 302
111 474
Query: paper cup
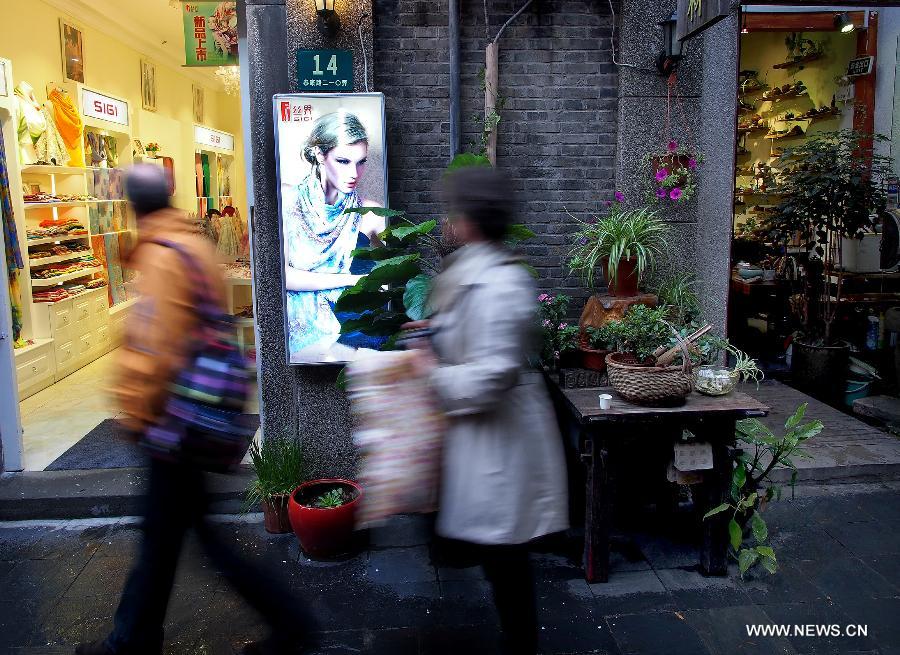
605 400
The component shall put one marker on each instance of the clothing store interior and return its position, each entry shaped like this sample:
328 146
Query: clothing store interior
88 89
806 293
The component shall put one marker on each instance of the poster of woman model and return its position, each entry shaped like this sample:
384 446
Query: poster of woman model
330 155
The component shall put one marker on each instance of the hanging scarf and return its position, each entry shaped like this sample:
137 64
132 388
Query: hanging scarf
321 236
69 124
50 146
10 235
30 122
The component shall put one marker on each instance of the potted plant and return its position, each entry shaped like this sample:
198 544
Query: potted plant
632 368
714 379
152 149
323 515
625 242
559 347
673 174
279 467
595 347
832 189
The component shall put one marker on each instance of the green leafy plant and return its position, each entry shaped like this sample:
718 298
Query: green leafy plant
641 331
557 336
599 338
331 499
279 467
831 186
672 175
676 292
752 490
619 234
745 366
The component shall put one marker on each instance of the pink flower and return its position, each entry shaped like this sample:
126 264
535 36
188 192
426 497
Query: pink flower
563 326
608 203
673 145
675 193
543 297
692 164
546 324
661 174
556 354
661 193
620 197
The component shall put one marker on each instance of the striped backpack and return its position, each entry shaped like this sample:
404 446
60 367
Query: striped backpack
204 424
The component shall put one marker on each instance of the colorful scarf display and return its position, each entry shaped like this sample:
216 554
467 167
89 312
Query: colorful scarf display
70 126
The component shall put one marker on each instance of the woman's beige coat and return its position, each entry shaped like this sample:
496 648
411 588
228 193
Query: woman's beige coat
504 475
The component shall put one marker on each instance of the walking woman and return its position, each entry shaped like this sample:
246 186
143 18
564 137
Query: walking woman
504 478
320 236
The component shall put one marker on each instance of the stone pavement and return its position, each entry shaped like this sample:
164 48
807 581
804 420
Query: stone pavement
839 548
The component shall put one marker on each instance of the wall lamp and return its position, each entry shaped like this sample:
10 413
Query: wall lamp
671 53
328 21
843 22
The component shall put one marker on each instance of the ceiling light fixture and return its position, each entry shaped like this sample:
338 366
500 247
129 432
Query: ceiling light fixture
843 22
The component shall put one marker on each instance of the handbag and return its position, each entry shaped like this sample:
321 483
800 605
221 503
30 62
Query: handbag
203 423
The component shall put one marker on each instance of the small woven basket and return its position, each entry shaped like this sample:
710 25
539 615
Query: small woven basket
651 385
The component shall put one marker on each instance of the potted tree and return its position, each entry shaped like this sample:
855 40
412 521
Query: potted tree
624 242
279 467
595 347
323 515
832 189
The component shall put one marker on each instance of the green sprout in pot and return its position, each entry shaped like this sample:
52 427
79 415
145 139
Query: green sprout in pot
617 236
331 499
676 292
279 467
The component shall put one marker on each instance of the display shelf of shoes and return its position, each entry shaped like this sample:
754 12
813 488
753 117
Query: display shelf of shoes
793 63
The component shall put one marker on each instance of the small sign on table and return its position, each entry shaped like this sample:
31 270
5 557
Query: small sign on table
325 70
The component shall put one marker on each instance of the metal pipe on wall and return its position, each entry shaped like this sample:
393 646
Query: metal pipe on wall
453 11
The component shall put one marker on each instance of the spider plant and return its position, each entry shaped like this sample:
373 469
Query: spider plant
745 366
620 234
676 292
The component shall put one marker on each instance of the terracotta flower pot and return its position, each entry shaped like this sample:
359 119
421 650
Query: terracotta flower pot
626 280
323 532
594 360
275 515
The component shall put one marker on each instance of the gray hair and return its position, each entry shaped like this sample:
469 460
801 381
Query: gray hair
332 130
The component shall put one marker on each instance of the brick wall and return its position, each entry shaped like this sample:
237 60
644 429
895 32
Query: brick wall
557 136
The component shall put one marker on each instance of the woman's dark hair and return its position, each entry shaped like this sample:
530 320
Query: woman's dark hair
480 194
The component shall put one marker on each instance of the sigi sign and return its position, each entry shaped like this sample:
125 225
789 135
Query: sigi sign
97 105
207 137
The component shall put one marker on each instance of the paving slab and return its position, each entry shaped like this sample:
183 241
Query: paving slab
723 631
644 634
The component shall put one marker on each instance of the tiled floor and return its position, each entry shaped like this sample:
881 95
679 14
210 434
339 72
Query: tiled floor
57 417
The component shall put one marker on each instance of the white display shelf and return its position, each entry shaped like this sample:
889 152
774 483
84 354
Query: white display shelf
73 203
59 239
56 259
59 279
40 169
38 343
122 306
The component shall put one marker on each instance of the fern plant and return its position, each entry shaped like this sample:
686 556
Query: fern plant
280 468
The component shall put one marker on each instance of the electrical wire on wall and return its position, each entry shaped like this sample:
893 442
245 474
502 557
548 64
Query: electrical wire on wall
612 44
362 46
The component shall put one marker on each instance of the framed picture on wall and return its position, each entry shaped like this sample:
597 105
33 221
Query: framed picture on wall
72 42
198 104
148 85
330 156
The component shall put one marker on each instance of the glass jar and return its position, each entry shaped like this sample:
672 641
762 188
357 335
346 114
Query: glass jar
714 380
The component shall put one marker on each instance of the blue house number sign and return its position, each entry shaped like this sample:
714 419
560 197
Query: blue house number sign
325 70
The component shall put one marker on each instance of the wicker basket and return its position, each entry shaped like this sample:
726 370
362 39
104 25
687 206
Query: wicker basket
650 385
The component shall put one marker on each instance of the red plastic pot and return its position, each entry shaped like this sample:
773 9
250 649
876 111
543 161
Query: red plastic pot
626 283
323 532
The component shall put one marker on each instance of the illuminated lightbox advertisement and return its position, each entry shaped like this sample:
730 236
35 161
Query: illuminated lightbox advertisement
330 156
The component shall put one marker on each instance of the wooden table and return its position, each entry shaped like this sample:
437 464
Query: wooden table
598 432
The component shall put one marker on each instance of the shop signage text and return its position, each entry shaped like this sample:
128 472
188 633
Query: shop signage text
210 33
325 70
694 16
104 108
207 137
860 66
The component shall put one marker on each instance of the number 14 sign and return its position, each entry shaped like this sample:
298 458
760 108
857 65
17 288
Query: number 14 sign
325 70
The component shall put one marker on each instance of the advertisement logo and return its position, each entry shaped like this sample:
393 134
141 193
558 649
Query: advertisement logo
285 111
